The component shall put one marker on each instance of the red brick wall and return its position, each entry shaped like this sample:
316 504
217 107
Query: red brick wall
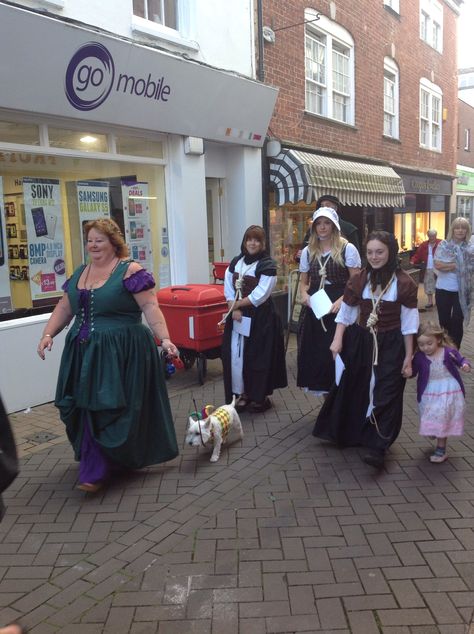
466 121
374 30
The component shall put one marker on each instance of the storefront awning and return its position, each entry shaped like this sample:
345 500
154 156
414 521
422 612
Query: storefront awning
303 176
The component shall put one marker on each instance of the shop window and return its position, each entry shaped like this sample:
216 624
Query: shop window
465 206
467 139
77 140
23 133
411 228
288 226
390 99
393 4
46 199
329 69
431 23
138 146
430 115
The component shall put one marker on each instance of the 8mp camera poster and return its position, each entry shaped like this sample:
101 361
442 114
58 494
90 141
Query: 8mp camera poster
44 227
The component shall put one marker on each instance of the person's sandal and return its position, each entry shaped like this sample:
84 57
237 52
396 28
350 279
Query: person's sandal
90 487
257 408
242 404
20 629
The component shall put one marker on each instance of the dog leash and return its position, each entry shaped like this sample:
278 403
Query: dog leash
198 420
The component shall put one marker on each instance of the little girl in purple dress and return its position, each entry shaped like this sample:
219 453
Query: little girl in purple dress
440 390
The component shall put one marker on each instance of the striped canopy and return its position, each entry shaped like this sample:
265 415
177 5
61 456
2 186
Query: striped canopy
303 176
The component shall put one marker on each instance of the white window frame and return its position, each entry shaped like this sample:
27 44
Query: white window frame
467 139
431 23
334 41
431 115
391 68
182 37
393 4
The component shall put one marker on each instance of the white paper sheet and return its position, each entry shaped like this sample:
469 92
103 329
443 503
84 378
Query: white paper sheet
340 367
320 303
242 327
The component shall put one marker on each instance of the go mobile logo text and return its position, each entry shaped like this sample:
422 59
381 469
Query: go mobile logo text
91 76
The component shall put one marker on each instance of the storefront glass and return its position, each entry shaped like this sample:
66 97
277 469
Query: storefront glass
47 199
421 213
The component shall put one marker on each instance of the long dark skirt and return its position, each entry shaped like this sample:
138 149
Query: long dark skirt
343 416
315 362
264 367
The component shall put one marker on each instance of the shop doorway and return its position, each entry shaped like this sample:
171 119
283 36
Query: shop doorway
215 224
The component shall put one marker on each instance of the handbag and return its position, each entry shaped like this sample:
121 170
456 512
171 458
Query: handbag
9 467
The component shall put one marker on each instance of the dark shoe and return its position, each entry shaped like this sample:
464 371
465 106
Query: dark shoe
374 459
257 408
242 404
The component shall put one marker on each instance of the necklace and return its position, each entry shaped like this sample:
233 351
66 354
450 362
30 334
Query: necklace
100 279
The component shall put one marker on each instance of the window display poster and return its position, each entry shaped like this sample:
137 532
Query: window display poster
93 199
136 215
5 296
44 228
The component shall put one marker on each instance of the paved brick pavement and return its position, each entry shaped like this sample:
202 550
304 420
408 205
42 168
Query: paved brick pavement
284 534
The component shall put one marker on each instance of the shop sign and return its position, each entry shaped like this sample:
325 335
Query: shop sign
61 70
465 181
427 185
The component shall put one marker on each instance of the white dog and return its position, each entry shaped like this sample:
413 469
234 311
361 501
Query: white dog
221 427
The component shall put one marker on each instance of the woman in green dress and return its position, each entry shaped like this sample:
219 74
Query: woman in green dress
111 391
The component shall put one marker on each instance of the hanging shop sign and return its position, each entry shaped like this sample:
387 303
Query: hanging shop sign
44 228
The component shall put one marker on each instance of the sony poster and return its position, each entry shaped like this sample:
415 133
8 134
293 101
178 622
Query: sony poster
44 228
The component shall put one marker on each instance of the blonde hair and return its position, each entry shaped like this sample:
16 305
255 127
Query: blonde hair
433 329
460 222
109 228
338 244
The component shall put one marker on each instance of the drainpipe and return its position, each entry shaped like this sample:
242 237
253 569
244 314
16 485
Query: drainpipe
264 164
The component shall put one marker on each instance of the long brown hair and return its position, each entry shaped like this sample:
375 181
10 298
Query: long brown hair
109 228
382 276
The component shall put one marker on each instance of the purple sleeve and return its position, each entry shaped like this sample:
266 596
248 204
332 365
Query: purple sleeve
65 286
142 280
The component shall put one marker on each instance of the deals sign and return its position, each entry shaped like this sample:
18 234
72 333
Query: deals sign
44 228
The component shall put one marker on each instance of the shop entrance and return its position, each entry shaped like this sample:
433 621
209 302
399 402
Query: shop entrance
215 223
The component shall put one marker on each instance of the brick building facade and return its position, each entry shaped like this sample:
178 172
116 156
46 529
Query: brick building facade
465 167
373 83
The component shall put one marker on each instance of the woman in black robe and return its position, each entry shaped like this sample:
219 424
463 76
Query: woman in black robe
374 338
254 359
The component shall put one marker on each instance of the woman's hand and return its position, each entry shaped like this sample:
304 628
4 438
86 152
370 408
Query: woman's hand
237 315
304 298
466 367
406 368
169 347
336 347
336 306
45 343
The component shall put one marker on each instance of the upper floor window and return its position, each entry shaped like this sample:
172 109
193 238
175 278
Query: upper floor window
430 115
390 99
467 139
393 4
431 23
329 69
164 12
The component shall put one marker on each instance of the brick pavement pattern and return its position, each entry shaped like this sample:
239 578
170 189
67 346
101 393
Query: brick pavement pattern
284 534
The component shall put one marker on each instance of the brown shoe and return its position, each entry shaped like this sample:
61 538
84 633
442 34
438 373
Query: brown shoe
90 487
257 408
